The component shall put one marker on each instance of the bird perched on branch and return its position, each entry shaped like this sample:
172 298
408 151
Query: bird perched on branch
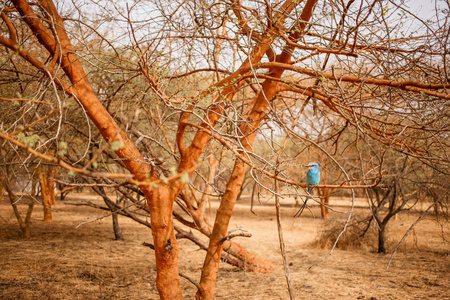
312 178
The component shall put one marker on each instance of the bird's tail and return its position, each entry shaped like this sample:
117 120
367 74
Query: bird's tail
300 211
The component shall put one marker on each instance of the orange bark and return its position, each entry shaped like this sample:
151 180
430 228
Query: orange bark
47 190
160 202
324 194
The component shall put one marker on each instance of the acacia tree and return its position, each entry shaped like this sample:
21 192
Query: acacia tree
224 73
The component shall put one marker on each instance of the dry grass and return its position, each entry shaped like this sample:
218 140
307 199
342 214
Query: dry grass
354 237
61 262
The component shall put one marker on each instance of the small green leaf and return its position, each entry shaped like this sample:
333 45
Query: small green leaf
21 136
34 139
72 173
95 165
29 141
62 149
62 145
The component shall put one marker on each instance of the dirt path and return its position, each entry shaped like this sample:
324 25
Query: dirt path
61 262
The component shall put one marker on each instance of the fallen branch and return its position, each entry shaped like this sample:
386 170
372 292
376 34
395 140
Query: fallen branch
233 235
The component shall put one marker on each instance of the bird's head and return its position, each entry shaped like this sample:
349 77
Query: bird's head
312 165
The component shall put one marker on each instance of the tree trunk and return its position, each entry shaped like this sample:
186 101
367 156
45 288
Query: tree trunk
118 236
254 118
115 220
47 190
160 201
381 238
223 216
117 232
225 211
27 221
1 187
324 193
24 225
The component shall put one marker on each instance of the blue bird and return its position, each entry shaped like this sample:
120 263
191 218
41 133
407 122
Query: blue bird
312 178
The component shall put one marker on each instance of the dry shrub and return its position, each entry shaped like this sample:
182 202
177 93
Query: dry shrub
353 237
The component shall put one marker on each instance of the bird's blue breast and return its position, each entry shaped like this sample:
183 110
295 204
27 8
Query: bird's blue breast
313 176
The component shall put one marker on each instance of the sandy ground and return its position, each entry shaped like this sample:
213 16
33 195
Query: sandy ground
62 262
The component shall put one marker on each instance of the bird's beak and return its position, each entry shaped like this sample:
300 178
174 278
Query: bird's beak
309 166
